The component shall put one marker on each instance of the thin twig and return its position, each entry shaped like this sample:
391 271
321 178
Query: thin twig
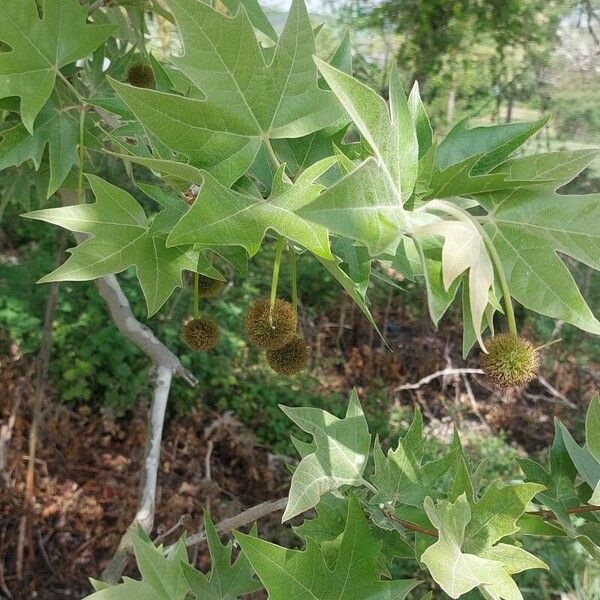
408 525
45 557
473 401
209 450
574 510
6 431
545 383
226 418
3 585
181 523
244 518
77 552
432 376
591 13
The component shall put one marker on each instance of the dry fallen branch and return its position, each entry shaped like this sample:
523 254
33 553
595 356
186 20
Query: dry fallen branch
432 376
473 402
6 432
555 393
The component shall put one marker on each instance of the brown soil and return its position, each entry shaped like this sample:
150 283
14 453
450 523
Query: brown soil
86 480
88 468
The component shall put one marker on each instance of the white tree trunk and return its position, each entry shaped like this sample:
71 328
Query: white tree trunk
167 365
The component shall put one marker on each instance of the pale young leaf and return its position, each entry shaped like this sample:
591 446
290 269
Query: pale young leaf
339 458
458 570
464 250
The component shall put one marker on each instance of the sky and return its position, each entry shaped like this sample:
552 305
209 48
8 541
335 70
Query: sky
314 6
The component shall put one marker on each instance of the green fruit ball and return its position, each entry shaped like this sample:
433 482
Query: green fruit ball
511 361
291 359
140 75
270 330
201 334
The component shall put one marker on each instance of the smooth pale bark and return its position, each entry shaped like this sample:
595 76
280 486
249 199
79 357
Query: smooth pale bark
166 365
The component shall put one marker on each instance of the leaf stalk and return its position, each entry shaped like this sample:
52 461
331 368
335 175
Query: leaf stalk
196 300
294 270
275 278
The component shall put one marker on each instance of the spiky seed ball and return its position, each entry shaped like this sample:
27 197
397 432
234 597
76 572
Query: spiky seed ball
201 334
290 359
140 75
209 287
269 334
511 361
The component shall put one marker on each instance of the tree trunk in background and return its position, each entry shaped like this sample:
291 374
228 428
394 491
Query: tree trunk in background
41 383
496 115
451 104
509 108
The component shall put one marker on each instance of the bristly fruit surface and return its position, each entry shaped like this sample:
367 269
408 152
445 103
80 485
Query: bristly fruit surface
201 334
511 361
140 75
291 359
270 332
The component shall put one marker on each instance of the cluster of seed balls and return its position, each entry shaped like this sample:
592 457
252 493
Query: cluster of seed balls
511 361
202 334
274 332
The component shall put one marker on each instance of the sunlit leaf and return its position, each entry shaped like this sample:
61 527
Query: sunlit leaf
339 458
122 237
305 575
458 568
39 46
221 216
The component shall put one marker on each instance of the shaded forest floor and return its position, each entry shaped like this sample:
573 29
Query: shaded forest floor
89 462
